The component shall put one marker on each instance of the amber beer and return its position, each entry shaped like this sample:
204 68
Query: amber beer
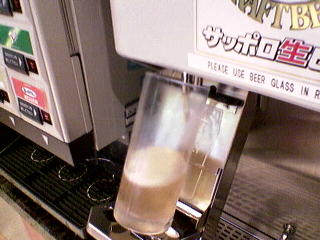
200 180
155 186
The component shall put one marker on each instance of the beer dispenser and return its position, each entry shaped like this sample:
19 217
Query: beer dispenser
247 52
61 82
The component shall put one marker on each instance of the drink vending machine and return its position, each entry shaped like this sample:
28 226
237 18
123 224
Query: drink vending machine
61 82
264 52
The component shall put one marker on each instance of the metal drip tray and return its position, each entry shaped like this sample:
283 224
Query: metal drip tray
66 194
226 231
266 197
230 228
47 182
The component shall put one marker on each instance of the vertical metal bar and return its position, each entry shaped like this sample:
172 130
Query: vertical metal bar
231 165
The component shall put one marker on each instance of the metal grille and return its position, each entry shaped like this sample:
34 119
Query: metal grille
68 199
226 231
266 197
52 229
255 199
229 232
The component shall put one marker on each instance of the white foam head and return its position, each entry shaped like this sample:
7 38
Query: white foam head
155 166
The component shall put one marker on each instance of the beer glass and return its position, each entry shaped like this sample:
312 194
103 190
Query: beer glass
202 171
165 128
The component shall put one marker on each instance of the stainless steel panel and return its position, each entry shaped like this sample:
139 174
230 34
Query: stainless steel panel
225 180
278 178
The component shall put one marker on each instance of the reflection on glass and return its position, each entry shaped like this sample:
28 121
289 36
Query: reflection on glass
202 170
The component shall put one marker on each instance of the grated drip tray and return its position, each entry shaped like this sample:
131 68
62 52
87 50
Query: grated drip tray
230 228
43 181
230 232
69 193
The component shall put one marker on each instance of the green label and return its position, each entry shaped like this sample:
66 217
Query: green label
15 38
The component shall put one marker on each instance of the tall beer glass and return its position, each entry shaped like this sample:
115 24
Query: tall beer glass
166 124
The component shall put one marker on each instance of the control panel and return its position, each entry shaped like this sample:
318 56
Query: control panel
9 39
25 86
62 84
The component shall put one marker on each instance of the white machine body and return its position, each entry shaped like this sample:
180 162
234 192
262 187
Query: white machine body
265 46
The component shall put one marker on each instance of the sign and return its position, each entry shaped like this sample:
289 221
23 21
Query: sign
30 93
273 42
30 110
15 38
15 60
263 80
288 51
297 15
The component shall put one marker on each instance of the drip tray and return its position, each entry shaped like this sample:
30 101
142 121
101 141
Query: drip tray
227 231
231 228
41 220
67 193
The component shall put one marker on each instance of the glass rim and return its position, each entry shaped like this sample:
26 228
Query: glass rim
150 75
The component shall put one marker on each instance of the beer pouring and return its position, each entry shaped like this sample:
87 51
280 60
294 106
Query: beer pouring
157 159
182 137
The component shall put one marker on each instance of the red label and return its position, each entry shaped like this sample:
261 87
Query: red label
30 93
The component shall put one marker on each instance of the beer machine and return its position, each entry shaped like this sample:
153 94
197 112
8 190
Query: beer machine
233 88
249 52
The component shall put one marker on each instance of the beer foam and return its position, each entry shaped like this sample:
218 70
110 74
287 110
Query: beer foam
155 166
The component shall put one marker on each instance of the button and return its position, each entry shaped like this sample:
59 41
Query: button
32 66
46 117
5 7
30 110
16 6
4 96
15 60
